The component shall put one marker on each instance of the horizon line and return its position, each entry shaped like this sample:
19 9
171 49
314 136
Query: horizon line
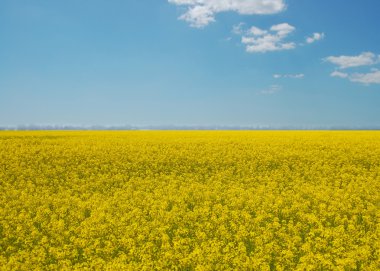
33 127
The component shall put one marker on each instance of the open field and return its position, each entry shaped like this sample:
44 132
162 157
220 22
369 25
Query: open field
190 200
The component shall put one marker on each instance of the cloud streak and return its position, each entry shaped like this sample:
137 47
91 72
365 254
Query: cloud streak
201 13
369 78
271 90
292 76
339 74
344 62
348 62
372 77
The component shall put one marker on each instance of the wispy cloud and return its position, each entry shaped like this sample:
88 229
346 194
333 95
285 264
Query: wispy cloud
238 29
372 77
292 76
344 62
364 59
315 37
271 90
201 13
339 74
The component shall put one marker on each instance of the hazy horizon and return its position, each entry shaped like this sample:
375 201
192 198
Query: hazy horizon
181 127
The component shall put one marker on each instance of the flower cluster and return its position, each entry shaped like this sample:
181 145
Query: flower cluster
190 200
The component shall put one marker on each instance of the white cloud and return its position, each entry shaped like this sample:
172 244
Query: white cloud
315 37
271 90
258 40
238 29
257 31
344 62
339 74
292 76
372 77
200 13
198 16
364 59
283 29
297 76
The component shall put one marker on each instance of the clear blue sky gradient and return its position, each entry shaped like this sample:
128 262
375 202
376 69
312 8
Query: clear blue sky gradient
133 62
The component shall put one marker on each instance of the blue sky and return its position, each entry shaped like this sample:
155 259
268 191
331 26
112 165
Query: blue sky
190 62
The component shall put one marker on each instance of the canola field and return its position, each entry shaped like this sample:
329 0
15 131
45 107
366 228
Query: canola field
186 200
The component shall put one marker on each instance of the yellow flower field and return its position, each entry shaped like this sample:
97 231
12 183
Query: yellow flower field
183 200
